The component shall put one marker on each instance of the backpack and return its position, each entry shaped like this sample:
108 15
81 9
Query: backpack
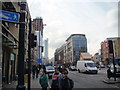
71 83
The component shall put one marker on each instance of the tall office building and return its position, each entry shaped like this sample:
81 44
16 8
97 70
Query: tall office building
71 50
38 27
75 44
46 49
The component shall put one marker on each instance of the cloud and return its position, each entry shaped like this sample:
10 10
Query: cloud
112 20
63 18
111 25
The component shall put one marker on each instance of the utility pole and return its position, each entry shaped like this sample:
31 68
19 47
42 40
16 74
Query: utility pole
39 43
114 62
21 49
29 55
40 53
113 59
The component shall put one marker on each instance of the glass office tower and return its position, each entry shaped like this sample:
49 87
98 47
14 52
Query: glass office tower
76 44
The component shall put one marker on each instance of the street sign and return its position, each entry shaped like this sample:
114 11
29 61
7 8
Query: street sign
39 60
9 16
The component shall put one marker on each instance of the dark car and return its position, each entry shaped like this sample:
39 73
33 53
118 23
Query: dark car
72 68
110 71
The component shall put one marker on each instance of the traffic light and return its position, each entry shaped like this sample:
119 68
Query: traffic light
110 43
42 48
33 40
119 62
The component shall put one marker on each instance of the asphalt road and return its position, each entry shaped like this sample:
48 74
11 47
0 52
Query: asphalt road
83 80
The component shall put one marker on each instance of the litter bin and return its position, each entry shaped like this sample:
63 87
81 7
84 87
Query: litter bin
26 78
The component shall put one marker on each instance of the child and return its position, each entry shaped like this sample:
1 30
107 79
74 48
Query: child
44 80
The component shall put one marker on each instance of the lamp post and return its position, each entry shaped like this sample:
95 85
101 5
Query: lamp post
29 55
111 47
21 49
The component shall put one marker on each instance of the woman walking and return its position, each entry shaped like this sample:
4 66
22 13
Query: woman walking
44 80
55 80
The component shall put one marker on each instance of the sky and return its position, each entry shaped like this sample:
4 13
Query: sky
96 19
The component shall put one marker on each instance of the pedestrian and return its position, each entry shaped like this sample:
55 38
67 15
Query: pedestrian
44 68
63 69
43 80
109 73
39 67
55 80
37 71
66 83
33 71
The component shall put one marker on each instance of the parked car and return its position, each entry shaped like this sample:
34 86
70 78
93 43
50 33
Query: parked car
110 71
97 65
50 70
102 66
72 68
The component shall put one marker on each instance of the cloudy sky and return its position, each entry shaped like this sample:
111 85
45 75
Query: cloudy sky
96 19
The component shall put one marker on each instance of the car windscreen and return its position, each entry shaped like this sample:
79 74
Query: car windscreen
117 68
73 67
90 64
50 68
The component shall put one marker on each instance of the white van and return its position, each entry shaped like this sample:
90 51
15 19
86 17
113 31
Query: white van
86 66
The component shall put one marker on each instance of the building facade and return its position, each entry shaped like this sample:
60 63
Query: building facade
46 49
75 45
105 53
10 41
97 58
38 27
9 44
106 56
71 50
60 55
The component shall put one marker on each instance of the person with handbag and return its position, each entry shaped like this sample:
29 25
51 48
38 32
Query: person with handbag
43 80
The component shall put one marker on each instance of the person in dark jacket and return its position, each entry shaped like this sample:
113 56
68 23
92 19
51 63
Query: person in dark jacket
44 68
109 73
55 80
33 71
37 70
64 82
63 69
43 80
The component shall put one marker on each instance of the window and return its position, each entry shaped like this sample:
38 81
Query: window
78 36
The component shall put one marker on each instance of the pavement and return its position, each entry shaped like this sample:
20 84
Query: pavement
10 86
112 81
34 84
13 85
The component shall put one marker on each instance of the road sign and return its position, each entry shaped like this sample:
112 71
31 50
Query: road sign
39 60
9 16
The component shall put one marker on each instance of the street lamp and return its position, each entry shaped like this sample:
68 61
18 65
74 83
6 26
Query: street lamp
21 49
111 50
29 55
